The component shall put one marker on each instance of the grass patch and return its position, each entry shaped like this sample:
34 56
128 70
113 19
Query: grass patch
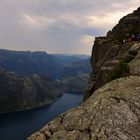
122 70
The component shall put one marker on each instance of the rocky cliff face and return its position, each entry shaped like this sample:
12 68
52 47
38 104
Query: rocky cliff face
24 92
111 59
112 107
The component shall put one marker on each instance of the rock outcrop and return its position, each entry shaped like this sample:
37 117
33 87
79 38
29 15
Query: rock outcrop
112 59
112 113
127 26
111 110
23 92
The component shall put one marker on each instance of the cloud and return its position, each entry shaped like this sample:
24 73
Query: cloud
37 21
64 26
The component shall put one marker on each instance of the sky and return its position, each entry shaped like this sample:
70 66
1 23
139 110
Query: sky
58 26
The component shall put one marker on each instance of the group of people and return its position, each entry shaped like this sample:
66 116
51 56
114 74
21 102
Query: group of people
130 38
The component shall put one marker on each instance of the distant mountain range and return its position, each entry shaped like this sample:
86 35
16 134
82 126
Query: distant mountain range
32 79
27 63
76 68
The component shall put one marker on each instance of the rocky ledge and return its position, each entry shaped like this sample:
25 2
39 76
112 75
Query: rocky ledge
112 113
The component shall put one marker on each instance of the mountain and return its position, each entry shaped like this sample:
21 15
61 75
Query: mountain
24 92
76 68
76 84
27 86
75 76
67 61
111 110
26 79
64 59
27 62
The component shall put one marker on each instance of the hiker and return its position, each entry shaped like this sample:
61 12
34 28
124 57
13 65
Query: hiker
133 37
129 39
124 40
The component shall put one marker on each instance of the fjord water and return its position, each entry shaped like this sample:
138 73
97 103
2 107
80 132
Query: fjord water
19 125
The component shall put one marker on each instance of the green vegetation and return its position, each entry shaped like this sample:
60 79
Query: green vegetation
122 70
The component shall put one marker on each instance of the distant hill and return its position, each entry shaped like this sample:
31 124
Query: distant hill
24 92
28 63
76 84
76 75
68 59
76 68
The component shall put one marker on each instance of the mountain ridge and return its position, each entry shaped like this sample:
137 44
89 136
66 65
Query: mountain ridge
18 93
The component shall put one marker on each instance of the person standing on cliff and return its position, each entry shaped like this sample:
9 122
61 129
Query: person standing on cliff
129 39
124 40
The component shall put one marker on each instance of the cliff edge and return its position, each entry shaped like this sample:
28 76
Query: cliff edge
111 110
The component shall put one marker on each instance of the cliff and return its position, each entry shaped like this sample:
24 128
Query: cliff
112 113
111 110
24 92
110 56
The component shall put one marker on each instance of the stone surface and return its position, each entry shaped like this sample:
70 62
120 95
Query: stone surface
112 113
135 63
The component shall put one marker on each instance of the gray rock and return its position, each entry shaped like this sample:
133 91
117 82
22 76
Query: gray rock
112 113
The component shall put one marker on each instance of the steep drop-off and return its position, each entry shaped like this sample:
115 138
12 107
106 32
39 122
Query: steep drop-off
24 92
112 107
110 57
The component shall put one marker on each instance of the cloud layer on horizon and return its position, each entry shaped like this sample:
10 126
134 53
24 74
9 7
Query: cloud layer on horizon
64 26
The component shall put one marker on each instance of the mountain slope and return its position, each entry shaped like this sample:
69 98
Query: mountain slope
76 68
27 63
23 92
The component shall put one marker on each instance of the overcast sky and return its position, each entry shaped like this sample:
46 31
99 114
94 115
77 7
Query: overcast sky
58 26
